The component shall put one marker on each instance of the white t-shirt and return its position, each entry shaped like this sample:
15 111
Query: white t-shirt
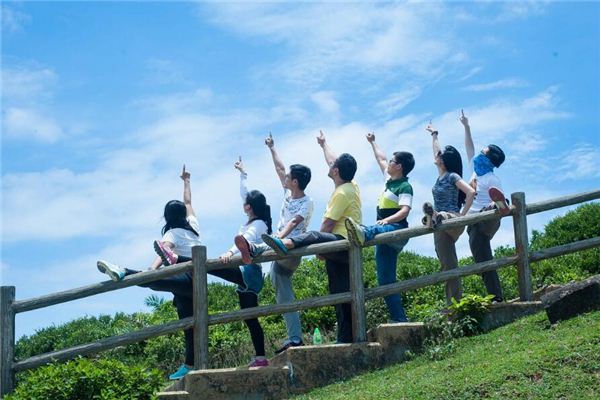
183 239
292 207
482 197
252 232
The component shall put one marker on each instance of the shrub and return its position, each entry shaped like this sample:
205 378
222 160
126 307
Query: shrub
85 379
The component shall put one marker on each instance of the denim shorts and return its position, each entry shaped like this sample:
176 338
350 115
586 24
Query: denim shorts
253 278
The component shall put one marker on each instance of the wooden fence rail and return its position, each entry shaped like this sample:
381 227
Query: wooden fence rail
199 267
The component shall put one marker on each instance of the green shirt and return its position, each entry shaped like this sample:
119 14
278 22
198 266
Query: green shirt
396 194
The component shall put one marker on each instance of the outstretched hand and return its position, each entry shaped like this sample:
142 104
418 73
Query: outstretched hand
429 128
321 138
184 174
239 165
463 120
371 137
269 141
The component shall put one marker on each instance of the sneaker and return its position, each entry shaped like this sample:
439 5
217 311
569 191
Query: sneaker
165 253
498 198
287 344
356 233
180 373
428 218
258 362
276 244
115 272
244 247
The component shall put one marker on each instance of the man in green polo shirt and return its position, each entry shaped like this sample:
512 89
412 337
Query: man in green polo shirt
393 207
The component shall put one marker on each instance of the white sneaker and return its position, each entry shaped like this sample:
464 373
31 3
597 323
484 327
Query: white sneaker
115 272
355 232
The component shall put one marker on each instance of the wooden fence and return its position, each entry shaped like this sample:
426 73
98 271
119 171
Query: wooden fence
357 296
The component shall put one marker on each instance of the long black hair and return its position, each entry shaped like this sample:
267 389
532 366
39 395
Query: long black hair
453 163
258 202
175 217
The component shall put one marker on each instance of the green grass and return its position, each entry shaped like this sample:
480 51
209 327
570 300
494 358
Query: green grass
529 359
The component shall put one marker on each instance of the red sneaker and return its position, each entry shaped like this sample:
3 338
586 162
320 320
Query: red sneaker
498 198
244 247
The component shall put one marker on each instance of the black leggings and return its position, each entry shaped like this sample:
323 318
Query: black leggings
246 300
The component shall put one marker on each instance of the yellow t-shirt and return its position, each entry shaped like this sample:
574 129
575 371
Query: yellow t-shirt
344 203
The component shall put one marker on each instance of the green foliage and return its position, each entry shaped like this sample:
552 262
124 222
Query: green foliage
471 305
85 379
462 318
579 224
154 301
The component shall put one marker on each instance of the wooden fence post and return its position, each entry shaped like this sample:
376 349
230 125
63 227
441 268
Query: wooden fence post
7 340
357 290
200 288
522 246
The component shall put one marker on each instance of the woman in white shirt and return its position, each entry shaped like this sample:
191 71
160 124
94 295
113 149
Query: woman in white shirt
249 277
180 234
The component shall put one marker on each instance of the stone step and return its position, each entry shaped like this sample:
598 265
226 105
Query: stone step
500 314
315 366
299 369
267 383
396 339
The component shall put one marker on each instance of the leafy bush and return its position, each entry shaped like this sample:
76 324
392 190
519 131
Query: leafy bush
85 379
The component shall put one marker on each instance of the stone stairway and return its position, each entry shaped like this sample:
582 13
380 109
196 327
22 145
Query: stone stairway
300 369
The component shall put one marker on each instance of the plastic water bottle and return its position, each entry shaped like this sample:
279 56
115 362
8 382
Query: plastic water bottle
317 337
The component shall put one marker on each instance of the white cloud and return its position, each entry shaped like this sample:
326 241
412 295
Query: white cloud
508 83
472 72
327 39
26 83
28 124
580 162
13 20
26 91
325 101
397 101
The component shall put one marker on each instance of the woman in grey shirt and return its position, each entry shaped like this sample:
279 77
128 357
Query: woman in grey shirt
450 193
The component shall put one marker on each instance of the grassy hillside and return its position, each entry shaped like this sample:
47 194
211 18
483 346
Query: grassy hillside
529 359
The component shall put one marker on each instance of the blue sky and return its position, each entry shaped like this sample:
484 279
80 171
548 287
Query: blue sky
103 102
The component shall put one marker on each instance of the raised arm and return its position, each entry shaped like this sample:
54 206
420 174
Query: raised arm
243 175
380 156
468 139
279 165
330 156
187 192
435 144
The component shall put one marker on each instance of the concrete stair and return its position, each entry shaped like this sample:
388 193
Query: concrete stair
300 369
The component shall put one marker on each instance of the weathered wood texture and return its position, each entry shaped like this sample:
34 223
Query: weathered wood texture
522 246
104 344
563 201
7 339
564 249
200 294
357 291
439 277
97 288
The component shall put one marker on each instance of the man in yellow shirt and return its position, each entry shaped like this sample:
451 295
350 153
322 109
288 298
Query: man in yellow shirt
344 203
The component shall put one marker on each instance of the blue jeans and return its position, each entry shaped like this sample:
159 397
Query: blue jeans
386 257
